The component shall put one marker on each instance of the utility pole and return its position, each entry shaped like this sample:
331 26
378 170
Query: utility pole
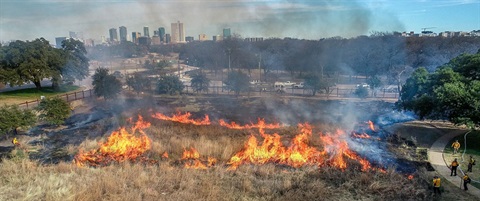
259 69
229 53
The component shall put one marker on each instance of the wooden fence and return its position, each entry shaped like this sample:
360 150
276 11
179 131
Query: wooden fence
68 97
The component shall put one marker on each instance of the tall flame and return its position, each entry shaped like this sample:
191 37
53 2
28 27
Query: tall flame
183 118
371 126
120 146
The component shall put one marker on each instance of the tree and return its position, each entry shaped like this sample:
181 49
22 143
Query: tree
237 82
105 85
138 83
200 82
76 66
312 83
451 92
54 110
169 85
361 92
12 118
30 61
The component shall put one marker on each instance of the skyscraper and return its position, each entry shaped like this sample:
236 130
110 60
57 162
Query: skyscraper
135 36
226 33
146 33
113 35
178 33
123 33
161 33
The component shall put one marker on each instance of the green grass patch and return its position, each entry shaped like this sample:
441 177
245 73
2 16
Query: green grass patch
473 149
34 93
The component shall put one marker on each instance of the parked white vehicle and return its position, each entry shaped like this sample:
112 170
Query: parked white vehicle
284 84
299 85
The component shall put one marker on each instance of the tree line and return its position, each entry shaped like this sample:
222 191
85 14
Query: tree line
33 61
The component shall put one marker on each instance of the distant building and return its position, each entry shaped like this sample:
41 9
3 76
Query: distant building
189 38
113 35
58 41
168 38
161 33
143 40
202 37
156 40
226 33
178 33
135 36
146 33
258 39
123 33
89 42
217 38
155 32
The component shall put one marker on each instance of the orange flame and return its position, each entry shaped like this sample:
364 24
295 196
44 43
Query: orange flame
120 146
183 118
260 124
165 155
363 135
299 153
335 153
410 177
370 124
193 161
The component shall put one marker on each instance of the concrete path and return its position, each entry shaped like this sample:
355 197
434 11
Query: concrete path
435 156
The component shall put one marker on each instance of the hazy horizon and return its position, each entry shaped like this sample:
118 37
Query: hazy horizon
305 19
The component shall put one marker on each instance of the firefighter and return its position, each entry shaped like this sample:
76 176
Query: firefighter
466 180
15 142
436 185
453 167
456 146
471 163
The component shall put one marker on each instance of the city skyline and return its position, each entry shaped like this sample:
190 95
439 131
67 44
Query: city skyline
306 19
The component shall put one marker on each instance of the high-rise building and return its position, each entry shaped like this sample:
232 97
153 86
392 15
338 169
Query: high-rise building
217 38
58 41
161 33
189 39
135 36
146 33
155 40
226 33
123 33
178 33
113 35
143 40
202 37
168 39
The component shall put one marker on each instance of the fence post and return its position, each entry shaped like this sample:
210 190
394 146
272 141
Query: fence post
75 95
26 103
83 93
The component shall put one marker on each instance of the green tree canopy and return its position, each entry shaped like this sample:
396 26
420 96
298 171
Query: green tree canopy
30 61
200 82
105 85
138 83
169 85
452 92
12 117
237 81
76 66
54 110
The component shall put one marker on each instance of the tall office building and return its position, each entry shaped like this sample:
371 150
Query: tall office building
202 37
226 33
135 36
146 33
161 33
123 33
113 35
168 38
58 41
178 33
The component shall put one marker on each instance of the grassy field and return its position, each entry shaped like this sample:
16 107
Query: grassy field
22 95
473 149
22 178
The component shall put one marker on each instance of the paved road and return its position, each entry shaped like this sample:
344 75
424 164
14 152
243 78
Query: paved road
436 158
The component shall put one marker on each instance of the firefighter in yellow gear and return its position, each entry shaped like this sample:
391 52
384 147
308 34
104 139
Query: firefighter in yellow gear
15 141
453 167
466 180
436 185
456 146
471 163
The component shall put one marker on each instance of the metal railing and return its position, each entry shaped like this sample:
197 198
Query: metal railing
67 97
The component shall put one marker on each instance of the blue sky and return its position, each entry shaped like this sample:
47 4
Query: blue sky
309 19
